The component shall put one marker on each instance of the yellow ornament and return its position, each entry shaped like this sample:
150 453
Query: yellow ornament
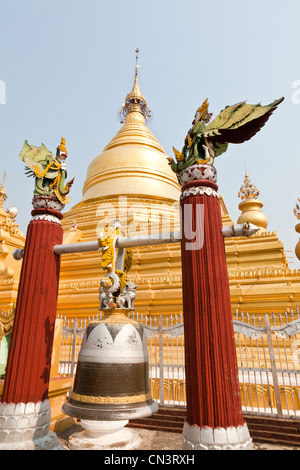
203 109
62 147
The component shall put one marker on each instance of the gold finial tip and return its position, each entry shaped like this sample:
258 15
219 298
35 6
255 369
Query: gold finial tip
62 145
248 190
4 177
3 195
203 109
137 66
135 100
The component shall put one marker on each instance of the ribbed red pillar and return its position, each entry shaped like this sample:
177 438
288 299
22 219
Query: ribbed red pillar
212 385
29 358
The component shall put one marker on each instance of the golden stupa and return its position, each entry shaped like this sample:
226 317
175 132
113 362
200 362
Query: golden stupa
131 180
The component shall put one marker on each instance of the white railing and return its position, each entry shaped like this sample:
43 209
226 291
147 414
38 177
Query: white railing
269 363
268 359
166 358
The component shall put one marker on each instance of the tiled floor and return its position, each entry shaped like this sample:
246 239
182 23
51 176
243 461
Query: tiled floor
158 440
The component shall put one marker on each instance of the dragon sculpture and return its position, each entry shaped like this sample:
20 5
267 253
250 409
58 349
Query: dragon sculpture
235 124
115 289
49 172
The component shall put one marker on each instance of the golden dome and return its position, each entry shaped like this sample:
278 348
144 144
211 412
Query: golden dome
297 227
251 206
297 247
133 162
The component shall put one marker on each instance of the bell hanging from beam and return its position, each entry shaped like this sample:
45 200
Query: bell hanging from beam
112 377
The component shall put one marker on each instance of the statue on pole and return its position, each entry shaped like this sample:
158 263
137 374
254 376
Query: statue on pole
235 124
50 172
25 400
214 411
115 289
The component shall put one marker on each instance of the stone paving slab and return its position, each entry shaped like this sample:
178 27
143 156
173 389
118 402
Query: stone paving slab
160 440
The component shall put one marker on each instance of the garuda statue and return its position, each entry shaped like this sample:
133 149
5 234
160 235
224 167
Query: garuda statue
235 124
49 172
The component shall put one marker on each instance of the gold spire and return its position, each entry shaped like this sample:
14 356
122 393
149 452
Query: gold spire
135 100
251 205
248 190
3 195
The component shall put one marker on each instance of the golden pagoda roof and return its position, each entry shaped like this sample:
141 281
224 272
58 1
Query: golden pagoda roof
133 163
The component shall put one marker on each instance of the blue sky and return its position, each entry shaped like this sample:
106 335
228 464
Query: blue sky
68 65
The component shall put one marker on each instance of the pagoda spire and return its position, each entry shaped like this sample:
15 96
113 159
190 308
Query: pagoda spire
248 190
135 100
3 195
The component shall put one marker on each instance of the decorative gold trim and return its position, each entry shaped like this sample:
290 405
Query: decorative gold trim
296 210
113 316
248 190
6 322
107 400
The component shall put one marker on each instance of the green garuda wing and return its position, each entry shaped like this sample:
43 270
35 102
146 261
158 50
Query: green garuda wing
39 160
236 124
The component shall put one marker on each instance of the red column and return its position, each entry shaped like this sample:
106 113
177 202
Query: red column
29 358
212 384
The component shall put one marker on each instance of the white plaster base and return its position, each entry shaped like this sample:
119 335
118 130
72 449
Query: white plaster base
25 426
205 438
100 435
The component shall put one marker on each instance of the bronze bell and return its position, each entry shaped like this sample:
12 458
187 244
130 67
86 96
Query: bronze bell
112 376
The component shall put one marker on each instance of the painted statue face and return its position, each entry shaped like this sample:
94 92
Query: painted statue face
196 118
61 156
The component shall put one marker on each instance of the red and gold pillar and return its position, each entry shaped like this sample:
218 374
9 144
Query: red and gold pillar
214 411
25 400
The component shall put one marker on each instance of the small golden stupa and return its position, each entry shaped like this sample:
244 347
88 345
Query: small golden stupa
250 205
